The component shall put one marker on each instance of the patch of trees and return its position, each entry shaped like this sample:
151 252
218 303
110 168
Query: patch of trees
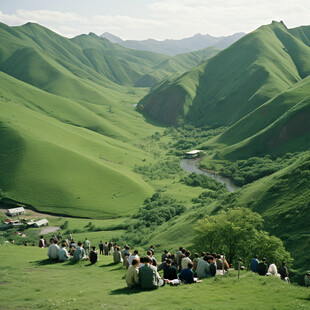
155 211
203 181
160 170
247 171
238 233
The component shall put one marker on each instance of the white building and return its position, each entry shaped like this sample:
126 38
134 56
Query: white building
16 211
40 223
193 154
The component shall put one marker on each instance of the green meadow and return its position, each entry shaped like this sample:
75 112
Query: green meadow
81 285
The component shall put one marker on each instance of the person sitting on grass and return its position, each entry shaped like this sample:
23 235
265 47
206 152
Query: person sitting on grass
196 260
203 268
79 252
254 264
272 270
284 273
132 274
186 260
117 256
153 260
93 255
149 277
170 272
187 274
132 256
212 263
63 253
262 267
53 250
164 256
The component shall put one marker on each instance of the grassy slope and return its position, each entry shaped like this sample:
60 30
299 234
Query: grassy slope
102 285
234 82
283 200
49 164
279 126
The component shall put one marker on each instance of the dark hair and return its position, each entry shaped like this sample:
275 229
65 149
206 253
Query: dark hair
206 258
166 251
152 246
63 244
196 255
135 251
79 243
187 253
264 259
149 252
183 250
41 237
55 241
190 265
180 248
283 263
168 261
141 259
256 256
135 261
214 255
147 260
203 254
218 256
94 248
52 239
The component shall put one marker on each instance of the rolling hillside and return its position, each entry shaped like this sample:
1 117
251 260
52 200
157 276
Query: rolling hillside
233 83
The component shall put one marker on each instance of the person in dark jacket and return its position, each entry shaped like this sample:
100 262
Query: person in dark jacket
262 267
187 274
170 272
283 272
254 264
93 255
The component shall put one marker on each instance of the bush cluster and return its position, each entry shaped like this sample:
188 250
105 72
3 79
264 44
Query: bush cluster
203 181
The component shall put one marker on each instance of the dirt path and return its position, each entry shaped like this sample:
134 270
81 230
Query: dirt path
48 230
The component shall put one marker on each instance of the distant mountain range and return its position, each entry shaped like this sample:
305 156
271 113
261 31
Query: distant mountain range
174 47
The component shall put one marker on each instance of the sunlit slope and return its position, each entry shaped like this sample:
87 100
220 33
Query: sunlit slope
234 82
283 200
279 126
60 166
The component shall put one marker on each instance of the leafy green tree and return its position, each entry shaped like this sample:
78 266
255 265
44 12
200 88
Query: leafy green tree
238 233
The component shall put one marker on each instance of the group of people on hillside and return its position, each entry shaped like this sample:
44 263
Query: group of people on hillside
263 269
143 271
179 268
69 249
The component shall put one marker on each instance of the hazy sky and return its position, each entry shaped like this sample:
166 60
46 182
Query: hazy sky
158 19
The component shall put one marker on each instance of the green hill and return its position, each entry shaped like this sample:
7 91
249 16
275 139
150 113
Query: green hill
234 82
279 126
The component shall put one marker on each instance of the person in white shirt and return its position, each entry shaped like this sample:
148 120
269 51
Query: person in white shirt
63 253
272 270
53 250
185 260
132 256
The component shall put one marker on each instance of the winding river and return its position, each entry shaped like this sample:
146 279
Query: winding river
189 165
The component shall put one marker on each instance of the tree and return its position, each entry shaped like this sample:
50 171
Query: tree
238 233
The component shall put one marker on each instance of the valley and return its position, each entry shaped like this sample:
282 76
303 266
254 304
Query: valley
92 133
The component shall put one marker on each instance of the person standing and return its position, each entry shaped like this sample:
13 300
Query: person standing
101 247
86 246
42 243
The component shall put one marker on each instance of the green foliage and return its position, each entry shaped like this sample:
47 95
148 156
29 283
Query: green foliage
203 181
246 171
160 170
64 225
155 211
238 233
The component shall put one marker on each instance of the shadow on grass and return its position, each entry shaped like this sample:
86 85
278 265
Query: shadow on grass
108 265
126 291
45 262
